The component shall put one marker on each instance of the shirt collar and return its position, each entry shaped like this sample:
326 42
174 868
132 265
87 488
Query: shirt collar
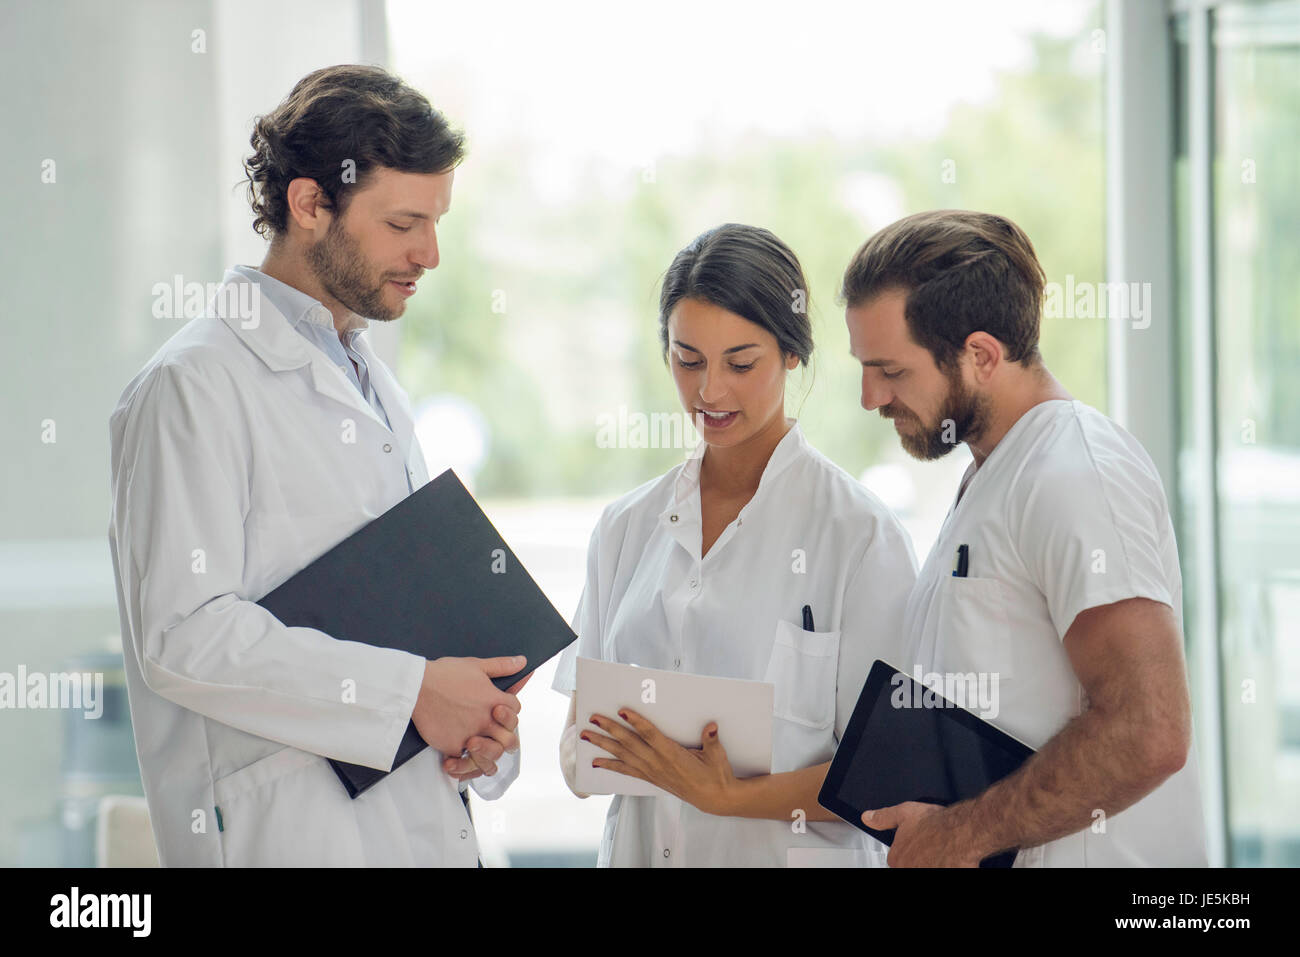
792 445
296 305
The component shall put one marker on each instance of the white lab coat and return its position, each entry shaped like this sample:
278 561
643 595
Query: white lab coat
811 535
1066 513
238 456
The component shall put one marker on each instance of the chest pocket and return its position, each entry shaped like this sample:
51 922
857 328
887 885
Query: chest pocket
803 667
974 633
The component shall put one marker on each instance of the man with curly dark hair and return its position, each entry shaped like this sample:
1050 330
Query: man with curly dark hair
254 440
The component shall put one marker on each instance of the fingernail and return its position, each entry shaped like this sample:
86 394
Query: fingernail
713 733
623 715
594 764
584 736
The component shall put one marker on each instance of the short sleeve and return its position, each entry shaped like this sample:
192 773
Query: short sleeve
871 626
1093 529
585 623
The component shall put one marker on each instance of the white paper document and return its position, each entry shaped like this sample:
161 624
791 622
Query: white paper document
680 706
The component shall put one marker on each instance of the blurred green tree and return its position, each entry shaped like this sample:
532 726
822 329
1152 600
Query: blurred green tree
544 314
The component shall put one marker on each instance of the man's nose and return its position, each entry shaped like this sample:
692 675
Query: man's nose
873 395
427 256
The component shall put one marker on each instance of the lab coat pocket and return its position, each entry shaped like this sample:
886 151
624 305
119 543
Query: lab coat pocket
287 809
974 635
803 668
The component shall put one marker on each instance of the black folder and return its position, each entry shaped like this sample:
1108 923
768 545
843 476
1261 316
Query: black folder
431 576
906 742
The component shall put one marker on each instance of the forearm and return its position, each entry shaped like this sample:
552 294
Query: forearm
1097 762
240 666
779 796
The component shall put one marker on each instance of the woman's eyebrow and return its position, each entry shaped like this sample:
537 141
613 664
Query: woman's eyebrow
725 352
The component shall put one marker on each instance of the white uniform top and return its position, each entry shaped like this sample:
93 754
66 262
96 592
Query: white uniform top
811 535
1065 514
239 453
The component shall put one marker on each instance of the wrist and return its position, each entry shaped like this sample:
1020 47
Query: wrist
727 799
426 685
972 839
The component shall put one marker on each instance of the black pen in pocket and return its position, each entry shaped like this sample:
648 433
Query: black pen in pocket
807 618
963 562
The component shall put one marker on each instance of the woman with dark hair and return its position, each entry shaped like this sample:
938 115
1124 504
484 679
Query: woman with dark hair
707 570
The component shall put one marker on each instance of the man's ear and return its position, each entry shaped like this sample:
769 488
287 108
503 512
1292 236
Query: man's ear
304 200
985 354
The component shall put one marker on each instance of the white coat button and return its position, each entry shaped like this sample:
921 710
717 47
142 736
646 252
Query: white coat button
665 852
387 447
672 518
463 834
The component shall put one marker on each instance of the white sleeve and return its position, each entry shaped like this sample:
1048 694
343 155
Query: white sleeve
566 668
1089 532
585 623
871 626
491 788
180 495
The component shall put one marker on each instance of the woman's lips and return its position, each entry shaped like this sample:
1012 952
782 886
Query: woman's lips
717 422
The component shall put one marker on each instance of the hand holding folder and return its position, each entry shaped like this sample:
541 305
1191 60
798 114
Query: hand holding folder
430 576
445 714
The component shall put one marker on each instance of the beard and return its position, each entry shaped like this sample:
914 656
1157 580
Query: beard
346 275
962 415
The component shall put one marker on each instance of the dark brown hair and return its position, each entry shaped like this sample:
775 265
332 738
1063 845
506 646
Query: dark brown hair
963 272
361 114
745 270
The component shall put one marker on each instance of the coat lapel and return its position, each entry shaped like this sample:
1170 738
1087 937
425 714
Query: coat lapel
273 340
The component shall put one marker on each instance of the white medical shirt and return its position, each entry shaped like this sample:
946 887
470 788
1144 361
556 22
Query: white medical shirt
811 535
1066 513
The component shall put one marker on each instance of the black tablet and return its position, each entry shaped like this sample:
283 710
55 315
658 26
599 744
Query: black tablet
907 742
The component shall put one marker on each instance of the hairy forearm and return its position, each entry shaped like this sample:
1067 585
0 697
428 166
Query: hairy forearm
1097 762
779 796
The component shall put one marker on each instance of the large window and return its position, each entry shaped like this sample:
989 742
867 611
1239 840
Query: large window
1237 206
598 152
